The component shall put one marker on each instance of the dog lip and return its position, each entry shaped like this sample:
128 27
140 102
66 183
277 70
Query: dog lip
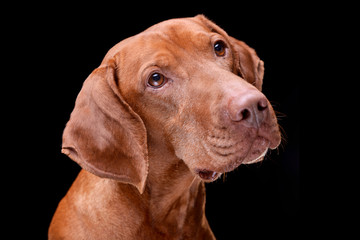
207 175
257 159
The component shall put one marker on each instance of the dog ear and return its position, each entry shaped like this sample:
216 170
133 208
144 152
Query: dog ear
104 135
248 65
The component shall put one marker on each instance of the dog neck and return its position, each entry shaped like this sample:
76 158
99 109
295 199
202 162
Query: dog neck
175 194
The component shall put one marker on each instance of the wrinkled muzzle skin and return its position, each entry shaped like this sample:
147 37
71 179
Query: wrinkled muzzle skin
210 112
204 135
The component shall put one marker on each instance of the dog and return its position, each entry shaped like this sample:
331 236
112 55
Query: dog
166 111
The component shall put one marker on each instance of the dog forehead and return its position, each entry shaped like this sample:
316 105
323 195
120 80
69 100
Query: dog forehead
181 32
178 25
161 46
175 31
182 36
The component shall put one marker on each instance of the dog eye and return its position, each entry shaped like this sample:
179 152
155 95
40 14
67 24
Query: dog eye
157 80
220 48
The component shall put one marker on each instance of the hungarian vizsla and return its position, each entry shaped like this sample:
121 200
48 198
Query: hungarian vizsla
167 110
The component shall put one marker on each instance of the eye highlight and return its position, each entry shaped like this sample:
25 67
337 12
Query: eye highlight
157 80
220 48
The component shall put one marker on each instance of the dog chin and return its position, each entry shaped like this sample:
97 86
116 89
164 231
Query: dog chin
208 175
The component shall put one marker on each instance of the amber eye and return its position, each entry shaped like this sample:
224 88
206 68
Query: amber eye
157 80
220 48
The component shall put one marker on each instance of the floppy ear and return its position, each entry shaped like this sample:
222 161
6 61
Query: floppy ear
248 64
104 135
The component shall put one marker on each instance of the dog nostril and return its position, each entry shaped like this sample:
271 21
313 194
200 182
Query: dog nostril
245 114
262 105
250 109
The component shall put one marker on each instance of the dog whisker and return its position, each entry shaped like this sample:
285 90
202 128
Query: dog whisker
224 177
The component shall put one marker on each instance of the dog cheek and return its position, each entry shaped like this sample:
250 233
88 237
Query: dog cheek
180 132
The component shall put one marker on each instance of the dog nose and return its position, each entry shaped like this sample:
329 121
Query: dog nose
249 109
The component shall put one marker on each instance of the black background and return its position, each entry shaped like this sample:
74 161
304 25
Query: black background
58 46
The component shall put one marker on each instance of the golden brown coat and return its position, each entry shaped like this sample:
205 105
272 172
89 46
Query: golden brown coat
148 142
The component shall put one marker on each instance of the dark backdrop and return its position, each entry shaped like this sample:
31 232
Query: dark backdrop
59 46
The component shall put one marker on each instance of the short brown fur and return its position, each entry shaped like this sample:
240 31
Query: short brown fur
144 150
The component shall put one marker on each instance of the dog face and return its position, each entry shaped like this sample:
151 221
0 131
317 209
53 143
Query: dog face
198 88
183 83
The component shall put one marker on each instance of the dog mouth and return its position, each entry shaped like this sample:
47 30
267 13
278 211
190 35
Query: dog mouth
256 159
210 176
233 158
207 175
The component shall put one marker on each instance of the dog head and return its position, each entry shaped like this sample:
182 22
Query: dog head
182 80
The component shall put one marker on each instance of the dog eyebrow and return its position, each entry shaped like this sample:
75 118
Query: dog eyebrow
162 59
159 59
213 30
